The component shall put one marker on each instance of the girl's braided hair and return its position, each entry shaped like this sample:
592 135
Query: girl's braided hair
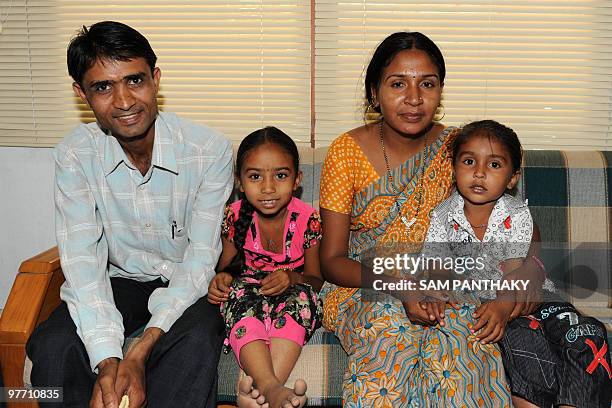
242 223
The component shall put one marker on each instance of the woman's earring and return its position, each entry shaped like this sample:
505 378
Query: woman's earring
440 108
371 114
371 108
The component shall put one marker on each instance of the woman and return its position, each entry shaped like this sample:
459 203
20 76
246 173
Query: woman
378 187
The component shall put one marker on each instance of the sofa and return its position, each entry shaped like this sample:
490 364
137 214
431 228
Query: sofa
570 197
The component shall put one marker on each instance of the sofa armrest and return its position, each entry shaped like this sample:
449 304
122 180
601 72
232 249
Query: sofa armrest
34 295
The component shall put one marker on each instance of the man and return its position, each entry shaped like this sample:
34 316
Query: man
139 204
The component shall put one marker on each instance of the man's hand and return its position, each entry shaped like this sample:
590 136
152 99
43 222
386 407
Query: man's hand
131 381
278 281
492 318
218 290
131 372
104 395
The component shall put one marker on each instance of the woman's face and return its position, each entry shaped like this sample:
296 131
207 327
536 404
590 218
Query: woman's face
409 92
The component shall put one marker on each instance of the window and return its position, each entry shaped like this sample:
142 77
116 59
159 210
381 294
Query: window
234 65
543 67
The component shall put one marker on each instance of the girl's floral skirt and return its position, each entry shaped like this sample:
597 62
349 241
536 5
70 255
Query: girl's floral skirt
300 301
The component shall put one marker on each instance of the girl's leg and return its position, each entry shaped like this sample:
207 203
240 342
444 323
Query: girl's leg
285 354
247 331
285 348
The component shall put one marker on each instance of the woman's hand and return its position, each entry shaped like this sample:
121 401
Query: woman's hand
435 305
419 310
527 301
278 281
417 314
218 290
492 318
435 310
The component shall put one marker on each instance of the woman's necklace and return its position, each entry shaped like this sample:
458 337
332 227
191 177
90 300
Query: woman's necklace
424 157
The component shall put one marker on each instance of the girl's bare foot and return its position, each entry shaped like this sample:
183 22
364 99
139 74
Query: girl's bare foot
283 397
299 394
249 397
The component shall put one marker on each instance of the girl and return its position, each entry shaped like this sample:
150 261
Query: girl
268 273
543 368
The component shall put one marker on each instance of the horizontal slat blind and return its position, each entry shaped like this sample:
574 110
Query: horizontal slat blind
543 67
233 65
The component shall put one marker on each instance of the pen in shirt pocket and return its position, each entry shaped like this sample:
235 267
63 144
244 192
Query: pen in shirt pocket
177 232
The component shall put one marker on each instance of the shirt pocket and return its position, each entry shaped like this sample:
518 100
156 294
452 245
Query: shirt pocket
177 245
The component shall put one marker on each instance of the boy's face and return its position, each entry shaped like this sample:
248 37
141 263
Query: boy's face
122 96
483 170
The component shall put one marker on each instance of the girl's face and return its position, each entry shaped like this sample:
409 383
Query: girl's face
268 179
409 92
483 170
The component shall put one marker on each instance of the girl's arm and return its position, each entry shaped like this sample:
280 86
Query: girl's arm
218 289
228 253
336 266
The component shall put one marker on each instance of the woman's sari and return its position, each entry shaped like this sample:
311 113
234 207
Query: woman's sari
393 362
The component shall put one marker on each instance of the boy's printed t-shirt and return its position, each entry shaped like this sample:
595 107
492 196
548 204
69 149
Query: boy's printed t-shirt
508 236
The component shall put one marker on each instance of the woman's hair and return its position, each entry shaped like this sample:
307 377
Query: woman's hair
267 135
106 40
386 51
492 129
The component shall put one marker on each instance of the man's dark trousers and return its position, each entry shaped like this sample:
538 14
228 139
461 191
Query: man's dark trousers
180 372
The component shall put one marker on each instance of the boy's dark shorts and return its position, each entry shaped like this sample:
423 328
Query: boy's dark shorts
558 357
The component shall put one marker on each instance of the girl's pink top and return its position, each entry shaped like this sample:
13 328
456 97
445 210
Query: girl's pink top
302 230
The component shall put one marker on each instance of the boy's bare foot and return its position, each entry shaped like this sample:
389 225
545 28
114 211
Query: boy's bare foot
249 397
283 397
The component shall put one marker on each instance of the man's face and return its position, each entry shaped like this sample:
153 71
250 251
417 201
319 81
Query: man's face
122 96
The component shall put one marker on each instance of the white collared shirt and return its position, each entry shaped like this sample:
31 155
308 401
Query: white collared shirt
111 221
508 236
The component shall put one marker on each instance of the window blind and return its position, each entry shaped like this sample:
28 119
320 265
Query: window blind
233 65
542 67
